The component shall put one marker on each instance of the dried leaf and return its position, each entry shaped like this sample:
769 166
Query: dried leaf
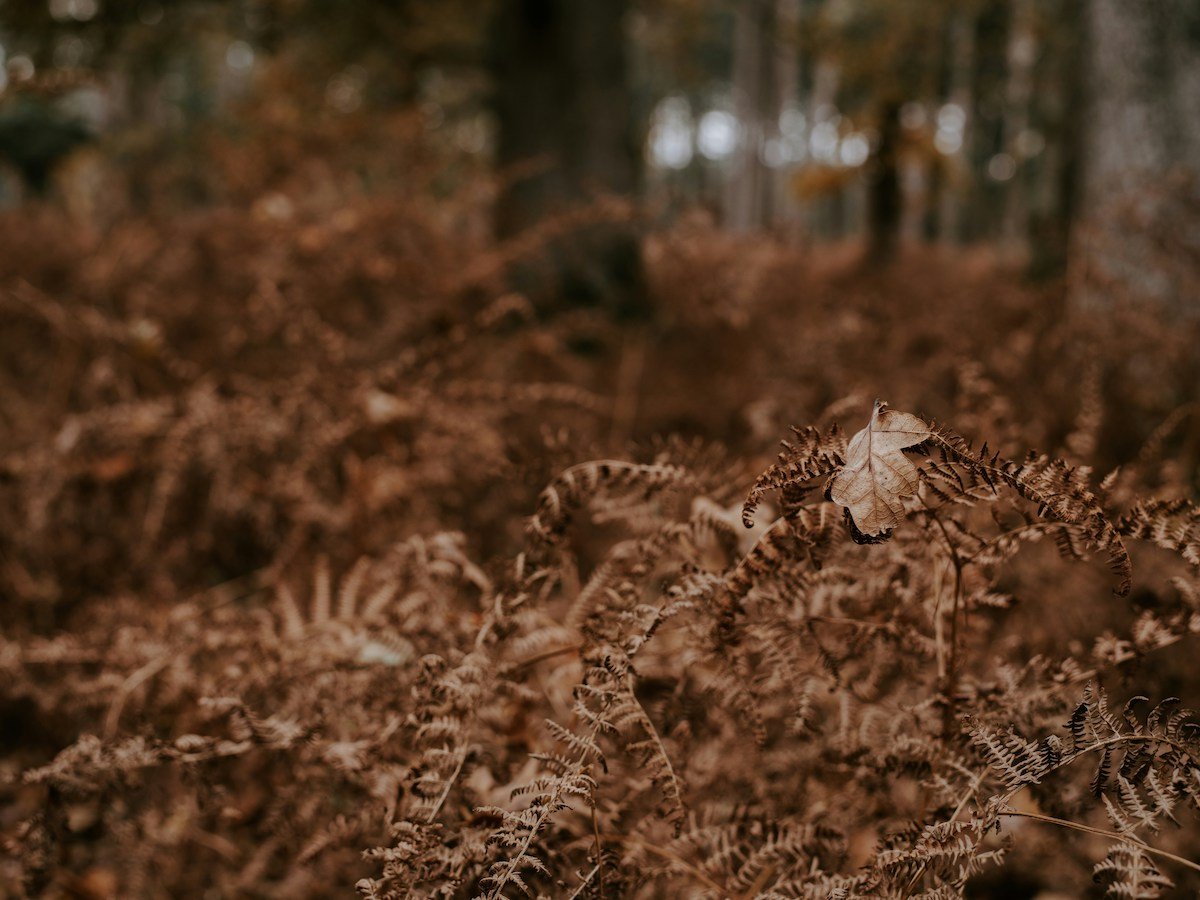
877 476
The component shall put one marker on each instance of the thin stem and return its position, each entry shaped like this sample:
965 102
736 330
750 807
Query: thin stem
586 881
1098 745
663 853
599 851
437 807
952 674
647 724
480 637
1109 742
952 667
976 782
131 684
547 654
858 623
544 813
1115 835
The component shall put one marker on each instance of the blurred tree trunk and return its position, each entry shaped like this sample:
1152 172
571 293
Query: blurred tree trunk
565 137
884 203
1142 148
1061 105
826 77
748 190
916 173
956 170
1018 96
787 97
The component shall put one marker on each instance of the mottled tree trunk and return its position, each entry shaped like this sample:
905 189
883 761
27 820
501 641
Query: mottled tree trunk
1142 150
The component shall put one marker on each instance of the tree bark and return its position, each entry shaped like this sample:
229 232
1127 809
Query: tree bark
565 137
884 203
1018 97
563 106
1142 147
1061 107
826 78
787 97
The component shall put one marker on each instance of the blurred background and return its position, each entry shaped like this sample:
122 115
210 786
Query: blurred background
290 288
953 122
702 217
562 227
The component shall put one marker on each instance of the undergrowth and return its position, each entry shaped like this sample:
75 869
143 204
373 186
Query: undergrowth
308 587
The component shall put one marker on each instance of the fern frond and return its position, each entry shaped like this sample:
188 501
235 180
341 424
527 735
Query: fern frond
1171 524
1016 761
813 454
655 760
1060 492
1128 872
609 478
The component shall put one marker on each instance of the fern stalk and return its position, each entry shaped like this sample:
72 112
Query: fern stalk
1101 832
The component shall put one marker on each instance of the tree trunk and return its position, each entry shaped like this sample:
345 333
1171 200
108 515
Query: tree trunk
1061 106
747 195
915 172
956 170
564 115
787 97
884 202
1142 149
826 77
1018 96
563 105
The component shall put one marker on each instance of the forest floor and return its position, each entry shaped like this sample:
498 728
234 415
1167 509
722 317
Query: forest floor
265 489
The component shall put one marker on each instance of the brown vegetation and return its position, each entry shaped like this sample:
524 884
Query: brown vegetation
278 621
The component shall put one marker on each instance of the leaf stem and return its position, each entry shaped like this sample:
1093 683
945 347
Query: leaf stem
952 667
663 853
1115 835
546 654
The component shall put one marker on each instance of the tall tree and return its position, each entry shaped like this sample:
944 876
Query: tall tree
564 112
1061 108
960 95
889 53
1142 153
755 97
884 201
1018 97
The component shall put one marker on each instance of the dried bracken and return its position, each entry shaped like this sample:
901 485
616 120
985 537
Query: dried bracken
338 594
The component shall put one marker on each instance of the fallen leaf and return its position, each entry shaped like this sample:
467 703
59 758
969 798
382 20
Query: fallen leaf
877 475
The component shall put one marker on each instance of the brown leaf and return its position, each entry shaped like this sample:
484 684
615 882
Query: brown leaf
877 476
